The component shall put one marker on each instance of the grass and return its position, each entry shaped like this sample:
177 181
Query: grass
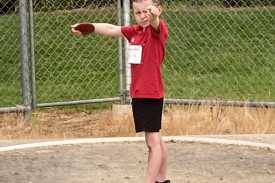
211 54
177 120
220 54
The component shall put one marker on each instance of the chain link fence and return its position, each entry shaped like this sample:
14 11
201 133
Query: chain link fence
68 67
10 88
221 50
216 50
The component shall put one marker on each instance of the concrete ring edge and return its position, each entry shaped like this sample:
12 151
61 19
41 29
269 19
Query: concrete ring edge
138 139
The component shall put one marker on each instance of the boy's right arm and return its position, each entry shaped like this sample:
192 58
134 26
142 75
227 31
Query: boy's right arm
103 28
108 29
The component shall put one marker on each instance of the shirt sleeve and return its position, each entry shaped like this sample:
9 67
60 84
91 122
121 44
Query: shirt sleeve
127 32
163 26
163 30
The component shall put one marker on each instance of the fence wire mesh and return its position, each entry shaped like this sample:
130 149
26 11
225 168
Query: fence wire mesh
69 67
216 49
10 75
214 52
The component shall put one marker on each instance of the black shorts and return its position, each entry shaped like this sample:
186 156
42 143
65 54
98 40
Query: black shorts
147 114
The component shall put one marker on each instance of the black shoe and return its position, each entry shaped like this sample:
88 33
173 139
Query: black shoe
167 181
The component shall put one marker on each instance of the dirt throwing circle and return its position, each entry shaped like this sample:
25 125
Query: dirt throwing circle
189 162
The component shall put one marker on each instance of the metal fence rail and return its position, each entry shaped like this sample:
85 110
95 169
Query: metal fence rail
217 50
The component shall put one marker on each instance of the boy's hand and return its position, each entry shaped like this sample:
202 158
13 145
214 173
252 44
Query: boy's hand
153 16
75 32
153 12
83 28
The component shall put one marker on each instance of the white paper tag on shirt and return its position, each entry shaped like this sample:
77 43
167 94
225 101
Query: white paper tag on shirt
135 52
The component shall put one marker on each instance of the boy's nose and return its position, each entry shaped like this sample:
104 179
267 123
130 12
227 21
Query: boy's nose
143 15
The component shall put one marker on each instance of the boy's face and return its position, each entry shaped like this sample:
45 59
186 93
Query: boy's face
141 12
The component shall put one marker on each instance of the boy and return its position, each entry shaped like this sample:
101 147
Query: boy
147 39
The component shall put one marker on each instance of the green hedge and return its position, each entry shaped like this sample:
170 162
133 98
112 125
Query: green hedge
10 6
47 5
224 3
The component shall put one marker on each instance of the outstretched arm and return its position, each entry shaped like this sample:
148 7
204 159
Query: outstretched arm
154 13
108 29
102 28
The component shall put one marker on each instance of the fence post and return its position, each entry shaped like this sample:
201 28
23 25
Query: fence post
24 58
32 59
126 7
120 60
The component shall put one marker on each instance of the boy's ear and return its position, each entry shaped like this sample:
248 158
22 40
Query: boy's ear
160 9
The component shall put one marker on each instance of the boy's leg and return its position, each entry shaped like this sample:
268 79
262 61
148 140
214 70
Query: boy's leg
156 168
163 168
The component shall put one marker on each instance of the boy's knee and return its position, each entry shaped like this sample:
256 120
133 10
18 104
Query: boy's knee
153 145
152 140
149 144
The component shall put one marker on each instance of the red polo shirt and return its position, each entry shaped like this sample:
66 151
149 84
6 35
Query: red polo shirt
146 78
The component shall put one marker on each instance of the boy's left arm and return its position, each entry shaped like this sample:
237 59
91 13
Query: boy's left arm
154 13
